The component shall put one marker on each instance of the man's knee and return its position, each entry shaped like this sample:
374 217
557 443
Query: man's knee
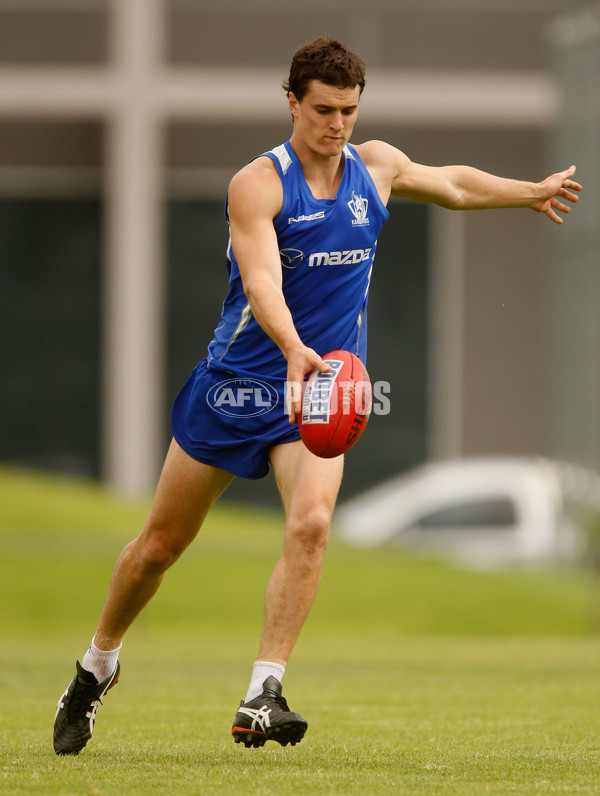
310 531
157 551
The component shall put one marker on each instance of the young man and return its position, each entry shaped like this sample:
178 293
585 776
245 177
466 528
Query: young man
290 301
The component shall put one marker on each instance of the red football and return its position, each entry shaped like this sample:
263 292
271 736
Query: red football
335 405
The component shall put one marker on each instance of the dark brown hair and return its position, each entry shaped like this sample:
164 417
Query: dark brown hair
327 60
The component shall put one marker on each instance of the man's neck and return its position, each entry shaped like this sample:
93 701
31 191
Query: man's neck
323 173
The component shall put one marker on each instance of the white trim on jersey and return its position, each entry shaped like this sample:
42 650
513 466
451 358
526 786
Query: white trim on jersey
244 320
359 320
282 155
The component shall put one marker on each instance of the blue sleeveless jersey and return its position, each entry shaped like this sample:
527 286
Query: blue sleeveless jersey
327 248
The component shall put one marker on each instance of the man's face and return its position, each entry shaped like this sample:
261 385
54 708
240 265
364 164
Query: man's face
324 117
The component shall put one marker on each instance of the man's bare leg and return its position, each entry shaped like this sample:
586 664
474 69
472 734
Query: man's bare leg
309 486
186 491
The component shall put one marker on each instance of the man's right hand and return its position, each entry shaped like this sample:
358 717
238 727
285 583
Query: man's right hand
300 362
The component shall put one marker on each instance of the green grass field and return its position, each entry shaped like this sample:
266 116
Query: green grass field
417 677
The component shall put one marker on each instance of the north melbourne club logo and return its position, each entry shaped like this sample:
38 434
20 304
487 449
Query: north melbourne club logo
359 207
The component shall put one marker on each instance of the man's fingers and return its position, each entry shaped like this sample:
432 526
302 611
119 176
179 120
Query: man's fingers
297 370
554 216
293 399
568 195
560 206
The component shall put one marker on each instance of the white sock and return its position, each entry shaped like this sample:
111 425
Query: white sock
260 672
101 663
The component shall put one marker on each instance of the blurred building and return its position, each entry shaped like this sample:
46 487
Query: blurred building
121 122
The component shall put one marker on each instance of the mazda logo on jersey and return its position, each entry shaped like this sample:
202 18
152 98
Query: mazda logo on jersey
291 258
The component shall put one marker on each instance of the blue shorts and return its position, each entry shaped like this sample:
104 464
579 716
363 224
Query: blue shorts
231 422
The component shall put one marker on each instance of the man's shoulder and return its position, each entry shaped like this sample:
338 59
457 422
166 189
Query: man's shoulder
257 183
376 152
384 162
259 173
261 167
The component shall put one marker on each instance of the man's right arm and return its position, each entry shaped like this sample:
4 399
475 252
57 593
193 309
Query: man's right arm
255 197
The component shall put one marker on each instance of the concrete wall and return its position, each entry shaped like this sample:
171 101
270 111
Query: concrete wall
473 82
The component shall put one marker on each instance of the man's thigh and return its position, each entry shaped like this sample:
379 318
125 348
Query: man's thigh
185 493
306 482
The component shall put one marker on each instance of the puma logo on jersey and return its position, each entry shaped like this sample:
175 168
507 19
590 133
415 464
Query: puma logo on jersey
348 257
311 217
